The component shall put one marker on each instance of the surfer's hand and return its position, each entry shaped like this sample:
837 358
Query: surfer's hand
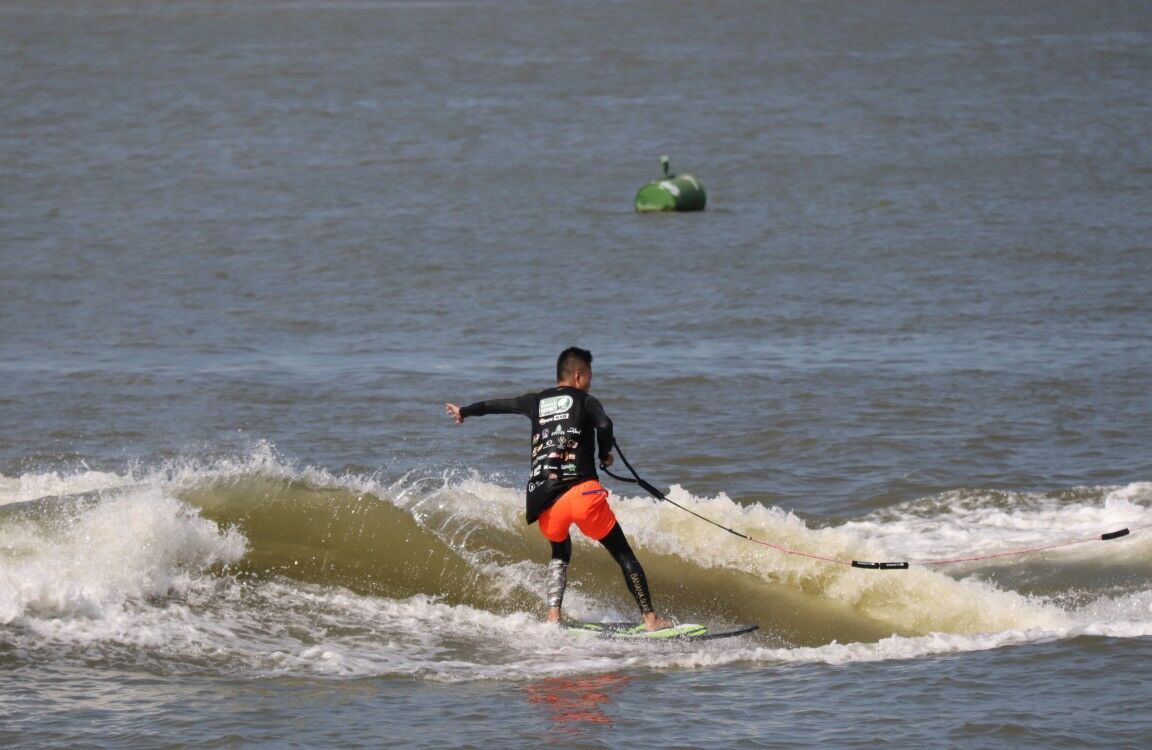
454 412
607 461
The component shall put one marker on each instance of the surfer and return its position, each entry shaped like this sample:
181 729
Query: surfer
569 428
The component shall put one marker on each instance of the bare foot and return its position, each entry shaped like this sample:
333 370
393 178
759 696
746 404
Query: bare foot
554 615
652 622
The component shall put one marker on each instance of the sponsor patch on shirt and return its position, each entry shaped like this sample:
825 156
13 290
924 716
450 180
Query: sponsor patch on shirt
555 405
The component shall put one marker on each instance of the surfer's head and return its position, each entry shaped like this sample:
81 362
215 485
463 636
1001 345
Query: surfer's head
574 368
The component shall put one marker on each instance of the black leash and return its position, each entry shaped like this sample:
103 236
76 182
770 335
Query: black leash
637 479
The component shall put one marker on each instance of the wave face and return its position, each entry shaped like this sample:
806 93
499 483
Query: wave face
254 565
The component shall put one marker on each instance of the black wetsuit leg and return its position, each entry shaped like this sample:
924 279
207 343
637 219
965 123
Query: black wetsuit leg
563 550
616 544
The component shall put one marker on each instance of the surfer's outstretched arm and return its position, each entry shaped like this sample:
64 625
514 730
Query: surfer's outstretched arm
519 405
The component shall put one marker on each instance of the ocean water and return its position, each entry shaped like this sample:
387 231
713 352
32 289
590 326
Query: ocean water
249 249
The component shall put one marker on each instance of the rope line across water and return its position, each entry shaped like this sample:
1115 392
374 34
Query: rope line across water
864 564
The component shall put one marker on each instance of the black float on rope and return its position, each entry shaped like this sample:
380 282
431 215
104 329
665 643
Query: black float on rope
880 565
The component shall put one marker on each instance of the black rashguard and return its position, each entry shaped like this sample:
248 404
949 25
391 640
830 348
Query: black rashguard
563 451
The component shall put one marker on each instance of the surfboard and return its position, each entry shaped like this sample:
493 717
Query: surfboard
635 631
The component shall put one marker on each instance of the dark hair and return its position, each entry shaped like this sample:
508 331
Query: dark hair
570 360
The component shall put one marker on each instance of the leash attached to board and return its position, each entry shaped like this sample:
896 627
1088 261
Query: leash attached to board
863 564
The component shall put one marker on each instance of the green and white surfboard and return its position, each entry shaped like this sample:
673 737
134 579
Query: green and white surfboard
636 631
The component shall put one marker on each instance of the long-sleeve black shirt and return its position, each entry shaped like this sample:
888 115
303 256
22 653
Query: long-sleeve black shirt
563 450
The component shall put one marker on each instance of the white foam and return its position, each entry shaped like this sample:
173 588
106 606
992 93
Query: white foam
51 484
968 523
128 568
95 556
1118 619
918 599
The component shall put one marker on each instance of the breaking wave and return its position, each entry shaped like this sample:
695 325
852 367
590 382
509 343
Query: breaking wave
253 564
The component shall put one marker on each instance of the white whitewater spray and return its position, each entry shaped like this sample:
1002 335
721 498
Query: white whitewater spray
91 557
977 523
111 562
915 600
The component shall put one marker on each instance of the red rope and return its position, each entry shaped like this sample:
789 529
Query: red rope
797 552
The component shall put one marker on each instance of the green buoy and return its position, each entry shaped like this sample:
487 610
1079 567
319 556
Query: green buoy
673 193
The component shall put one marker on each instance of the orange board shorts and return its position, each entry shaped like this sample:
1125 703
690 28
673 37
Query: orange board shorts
585 505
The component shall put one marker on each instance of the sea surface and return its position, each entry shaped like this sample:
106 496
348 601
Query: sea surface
249 249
